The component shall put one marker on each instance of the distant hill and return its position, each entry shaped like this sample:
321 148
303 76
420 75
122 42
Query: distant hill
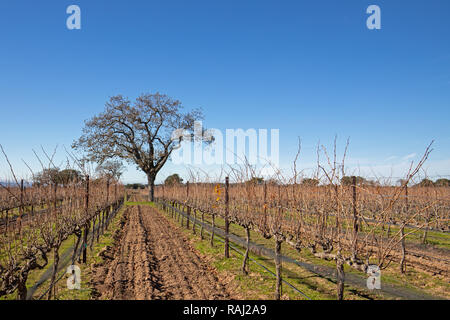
13 184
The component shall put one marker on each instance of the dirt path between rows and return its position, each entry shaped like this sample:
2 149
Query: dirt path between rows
153 260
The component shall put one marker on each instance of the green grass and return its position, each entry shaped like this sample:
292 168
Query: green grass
139 203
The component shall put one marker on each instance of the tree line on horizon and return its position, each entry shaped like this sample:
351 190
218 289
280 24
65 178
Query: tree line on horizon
175 179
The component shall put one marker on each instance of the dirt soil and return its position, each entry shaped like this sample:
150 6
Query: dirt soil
153 260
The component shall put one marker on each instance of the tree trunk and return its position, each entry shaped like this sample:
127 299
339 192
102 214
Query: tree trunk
278 289
108 211
244 263
151 187
188 216
22 288
425 233
74 254
85 242
182 216
93 232
102 223
340 277
424 236
55 271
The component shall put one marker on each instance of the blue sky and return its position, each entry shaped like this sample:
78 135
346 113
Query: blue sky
309 68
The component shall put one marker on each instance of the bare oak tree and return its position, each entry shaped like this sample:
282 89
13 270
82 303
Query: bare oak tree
138 132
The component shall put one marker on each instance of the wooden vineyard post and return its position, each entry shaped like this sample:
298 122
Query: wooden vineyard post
102 214
227 222
32 209
406 198
107 190
86 229
194 221
265 207
402 234
55 190
355 219
278 289
188 209
21 207
247 250
21 195
213 217
107 209
112 208
403 249
182 215
340 276
278 242
201 227
172 210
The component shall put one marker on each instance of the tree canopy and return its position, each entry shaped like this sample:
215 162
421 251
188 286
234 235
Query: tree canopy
55 176
135 186
442 183
348 180
310 182
111 170
173 180
256 180
426 183
438 183
138 132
